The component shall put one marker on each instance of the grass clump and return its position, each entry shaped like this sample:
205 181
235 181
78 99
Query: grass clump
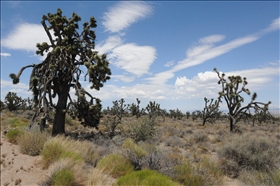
147 178
97 177
248 152
66 172
32 142
186 175
13 135
62 147
63 177
18 122
115 165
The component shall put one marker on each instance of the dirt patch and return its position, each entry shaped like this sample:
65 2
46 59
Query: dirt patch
19 169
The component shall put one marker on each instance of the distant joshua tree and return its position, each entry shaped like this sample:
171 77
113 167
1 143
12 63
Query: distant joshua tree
67 51
231 93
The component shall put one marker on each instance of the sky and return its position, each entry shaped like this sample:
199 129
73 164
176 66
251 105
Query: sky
160 51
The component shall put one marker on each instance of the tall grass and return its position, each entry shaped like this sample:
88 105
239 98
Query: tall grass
32 142
59 147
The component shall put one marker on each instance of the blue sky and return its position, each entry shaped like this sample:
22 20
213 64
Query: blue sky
158 50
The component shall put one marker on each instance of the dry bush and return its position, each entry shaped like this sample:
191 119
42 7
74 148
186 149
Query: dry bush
115 165
66 172
97 177
257 178
247 152
32 142
60 146
175 141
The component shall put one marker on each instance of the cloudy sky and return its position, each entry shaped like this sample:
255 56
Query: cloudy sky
158 51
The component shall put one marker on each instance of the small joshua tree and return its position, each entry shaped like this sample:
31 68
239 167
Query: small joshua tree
231 93
210 111
153 109
13 102
135 109
67 51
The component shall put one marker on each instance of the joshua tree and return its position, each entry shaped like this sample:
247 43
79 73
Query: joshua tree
135 109
2 105
210 111
13 102
231 92
153 109
67 51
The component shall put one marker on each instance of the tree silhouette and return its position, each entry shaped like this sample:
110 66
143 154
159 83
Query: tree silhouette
231 92
67 51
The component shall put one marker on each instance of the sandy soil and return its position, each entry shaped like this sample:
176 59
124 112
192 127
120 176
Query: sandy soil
19 169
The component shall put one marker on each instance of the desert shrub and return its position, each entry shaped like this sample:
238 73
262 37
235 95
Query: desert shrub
174 141
186 175
200 137
141 130
13 135
249 152
97 177
51 152
115 165
32 142
257 178
63 177
60 146
134 153
147 178
18 122
66 172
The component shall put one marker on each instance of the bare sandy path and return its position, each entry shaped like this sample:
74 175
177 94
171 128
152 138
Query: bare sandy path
19 169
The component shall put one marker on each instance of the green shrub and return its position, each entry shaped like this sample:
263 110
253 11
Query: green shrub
61 147
249 153
147 178
18 122
186 175
51 152
115 165
63 177
13 135
32 142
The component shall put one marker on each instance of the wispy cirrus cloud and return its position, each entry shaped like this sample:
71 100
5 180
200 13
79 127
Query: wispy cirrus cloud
124 14
5 54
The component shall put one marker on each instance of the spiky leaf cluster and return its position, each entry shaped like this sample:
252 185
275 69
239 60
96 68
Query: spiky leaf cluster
153 110
13 102
211 110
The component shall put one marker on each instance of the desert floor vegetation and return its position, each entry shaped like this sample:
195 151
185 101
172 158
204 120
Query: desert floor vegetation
170 152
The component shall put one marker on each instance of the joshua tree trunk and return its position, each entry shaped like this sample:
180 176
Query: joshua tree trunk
60 111
231 124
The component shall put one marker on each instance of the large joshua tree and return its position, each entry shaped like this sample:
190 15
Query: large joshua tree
231 92
67 51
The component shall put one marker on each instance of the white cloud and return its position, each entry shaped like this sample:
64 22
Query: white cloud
25 37
109 44
124 14
169 63
211 39
5 54
160 78
132 58
122 78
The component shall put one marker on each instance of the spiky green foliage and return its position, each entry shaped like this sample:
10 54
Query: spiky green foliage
153 110
135 109
232 94
60 71
211 110
13 102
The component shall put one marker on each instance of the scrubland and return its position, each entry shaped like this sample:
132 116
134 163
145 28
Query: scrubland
144 152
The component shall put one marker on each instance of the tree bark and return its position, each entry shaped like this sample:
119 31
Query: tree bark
231 124
59 118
